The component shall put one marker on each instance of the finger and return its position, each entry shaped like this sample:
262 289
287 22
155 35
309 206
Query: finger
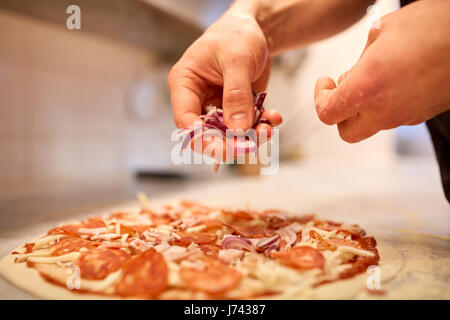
332 105
357 128
260 84
237 98
186 104
263 132
273 116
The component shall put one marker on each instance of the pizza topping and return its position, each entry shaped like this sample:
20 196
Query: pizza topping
302 257
250 231
144 276
288 235
62 258
239 243
113 244
162 247
230 255
344 242
140 245
177 253
106 236
210 250
156 237
185 239
92 231
206 250
96 264
67 245
216 278
268 242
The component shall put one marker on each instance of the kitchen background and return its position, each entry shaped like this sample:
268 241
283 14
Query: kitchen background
88 110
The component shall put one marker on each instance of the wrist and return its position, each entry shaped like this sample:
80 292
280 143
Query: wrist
256 10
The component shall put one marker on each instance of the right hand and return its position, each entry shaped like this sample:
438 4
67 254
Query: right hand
222 68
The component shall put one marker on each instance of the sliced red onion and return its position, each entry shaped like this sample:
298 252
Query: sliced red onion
288 235
267 242
213 119
274 246
259 100
238 243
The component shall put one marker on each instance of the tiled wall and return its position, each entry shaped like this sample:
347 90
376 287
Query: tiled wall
62 101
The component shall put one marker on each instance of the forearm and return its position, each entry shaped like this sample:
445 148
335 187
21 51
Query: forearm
291 23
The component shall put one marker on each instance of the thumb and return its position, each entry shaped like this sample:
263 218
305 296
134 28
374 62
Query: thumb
237 99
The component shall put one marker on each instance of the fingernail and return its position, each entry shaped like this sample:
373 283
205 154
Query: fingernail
238 116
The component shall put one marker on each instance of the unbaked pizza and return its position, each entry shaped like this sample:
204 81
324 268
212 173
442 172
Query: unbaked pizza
191 251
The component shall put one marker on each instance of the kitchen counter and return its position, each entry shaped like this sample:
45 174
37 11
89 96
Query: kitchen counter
401 203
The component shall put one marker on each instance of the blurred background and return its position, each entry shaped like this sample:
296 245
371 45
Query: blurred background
85 115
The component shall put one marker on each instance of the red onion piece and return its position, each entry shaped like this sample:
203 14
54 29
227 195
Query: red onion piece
238 243
213 119
274 246
288 235
267 242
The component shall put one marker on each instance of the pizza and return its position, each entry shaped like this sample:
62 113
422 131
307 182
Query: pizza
188 250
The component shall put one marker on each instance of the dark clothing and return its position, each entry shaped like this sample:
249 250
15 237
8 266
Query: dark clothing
405 2
439 128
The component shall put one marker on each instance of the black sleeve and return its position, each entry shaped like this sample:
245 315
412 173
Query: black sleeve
439 128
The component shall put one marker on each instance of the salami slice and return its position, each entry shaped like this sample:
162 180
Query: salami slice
144 276
216 278
186 238
68 245
240 215
301 257
72 229
133 230
251 231
96 264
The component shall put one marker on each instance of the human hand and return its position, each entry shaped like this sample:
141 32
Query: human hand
402 77
222 68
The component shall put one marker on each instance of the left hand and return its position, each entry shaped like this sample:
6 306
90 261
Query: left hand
402 77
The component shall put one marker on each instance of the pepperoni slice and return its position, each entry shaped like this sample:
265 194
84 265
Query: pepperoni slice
186 238
301 257
72 229
213 224
68 245
255 231
144 276
133 230
96 264
214 279
29 247
210 250
240 215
